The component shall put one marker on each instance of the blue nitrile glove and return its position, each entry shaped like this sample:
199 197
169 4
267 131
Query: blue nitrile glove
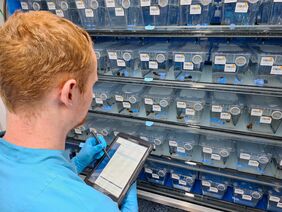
130 203
90 151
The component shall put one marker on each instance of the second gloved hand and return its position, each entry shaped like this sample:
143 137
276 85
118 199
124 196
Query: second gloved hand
91 151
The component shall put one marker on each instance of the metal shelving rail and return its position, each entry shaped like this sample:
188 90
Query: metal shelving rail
244 89
262 31
248 135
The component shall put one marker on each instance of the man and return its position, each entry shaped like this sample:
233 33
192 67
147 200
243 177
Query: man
47 71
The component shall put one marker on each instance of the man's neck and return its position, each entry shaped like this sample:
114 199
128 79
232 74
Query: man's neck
38 132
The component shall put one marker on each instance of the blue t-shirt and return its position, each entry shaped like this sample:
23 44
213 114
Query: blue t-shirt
44 180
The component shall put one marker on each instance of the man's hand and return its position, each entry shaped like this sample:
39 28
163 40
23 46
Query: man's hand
130 203
91 151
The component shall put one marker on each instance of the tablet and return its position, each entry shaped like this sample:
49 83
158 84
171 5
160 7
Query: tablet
113 176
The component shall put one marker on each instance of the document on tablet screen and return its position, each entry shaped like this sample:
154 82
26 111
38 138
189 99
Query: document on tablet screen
121 167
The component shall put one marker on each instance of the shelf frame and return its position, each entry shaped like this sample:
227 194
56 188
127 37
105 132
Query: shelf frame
219 31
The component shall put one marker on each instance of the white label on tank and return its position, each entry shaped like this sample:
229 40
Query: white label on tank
246 197
277 70
98 100
241 7
51 5
182 182
215 157
216 108
24 5
155 176
188 66
118 98
229 1
256 112
175 176
155 10
119 11
89 13
60 13
253 163
145 3
274 199
245 156
206 183
265 120
225 116
185 2
219 60
280 163
121 63
207 150
172 143
144 57
279 204
112 55
180 149
190 112
79 4
278 1
179 58
147 170
195 9
110 3
148 101
126 105
213 189
153 65
231 68
238 191
157 108
266 61
77 131
181 105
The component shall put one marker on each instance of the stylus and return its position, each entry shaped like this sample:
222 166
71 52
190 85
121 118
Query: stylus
94 133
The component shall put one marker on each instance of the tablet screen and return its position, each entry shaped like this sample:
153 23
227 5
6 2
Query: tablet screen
112 175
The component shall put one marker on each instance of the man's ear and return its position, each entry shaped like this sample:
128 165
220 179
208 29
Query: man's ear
68 92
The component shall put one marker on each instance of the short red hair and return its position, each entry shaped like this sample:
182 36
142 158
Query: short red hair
38 52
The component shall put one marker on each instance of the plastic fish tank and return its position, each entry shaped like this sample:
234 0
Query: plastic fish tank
158 102
264 114
37 5
183 179
226 109
277 157
155 12
102 56
253 157
154 61
189 61
155 173
240 12
157 137
123 60
246 193
216 150
274 203
268 59
93 14
190 106
103 96
229 63
191 13
270 13
213 185
124 13
129 99
182 144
